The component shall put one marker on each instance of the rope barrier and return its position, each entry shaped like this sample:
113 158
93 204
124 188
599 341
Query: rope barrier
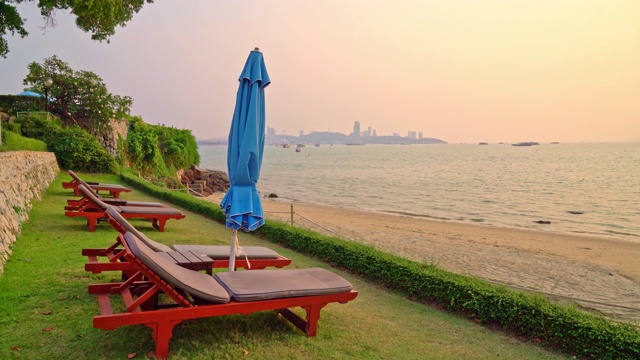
324 228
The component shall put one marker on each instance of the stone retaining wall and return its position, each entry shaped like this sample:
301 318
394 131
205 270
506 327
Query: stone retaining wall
24 175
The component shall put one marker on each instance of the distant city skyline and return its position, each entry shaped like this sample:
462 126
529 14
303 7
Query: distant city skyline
411 134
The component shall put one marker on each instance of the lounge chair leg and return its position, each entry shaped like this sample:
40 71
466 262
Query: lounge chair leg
313 315
92 224
159 224
162 333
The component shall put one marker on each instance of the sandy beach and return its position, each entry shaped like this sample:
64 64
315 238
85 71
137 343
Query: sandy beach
599 271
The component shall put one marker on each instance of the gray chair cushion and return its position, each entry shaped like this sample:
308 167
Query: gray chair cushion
155 246
253 285
221 252
114 186
142 203
192 282
144 210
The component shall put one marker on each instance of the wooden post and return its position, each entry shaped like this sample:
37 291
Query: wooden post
291 214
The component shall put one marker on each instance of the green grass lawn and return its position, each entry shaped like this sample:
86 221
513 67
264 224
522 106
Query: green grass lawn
46 312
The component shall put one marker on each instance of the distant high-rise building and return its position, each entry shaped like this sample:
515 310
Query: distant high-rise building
374 133
356 129
411 134
420 135
301 132
271 132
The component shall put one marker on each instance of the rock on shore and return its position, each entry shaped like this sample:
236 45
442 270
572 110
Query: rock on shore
204 181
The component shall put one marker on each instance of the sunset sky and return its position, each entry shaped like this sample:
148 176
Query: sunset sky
460 71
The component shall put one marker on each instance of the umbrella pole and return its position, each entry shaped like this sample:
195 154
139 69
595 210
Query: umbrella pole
232 255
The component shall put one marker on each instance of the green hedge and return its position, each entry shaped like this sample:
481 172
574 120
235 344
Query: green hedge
11 104
15 142
529 315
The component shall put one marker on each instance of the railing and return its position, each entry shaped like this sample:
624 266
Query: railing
24 113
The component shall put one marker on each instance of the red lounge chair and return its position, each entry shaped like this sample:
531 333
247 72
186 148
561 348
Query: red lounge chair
75 204
113 189
95 209
196 295
191 255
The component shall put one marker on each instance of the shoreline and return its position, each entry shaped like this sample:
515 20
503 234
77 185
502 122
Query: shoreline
600 270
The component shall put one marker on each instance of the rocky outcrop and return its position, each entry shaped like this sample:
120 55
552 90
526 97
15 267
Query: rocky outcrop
24 176
109 139
203 181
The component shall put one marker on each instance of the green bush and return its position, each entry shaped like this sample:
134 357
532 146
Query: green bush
142 145
178 147
529 315
15 142
40 127
157 151
11 126
78 150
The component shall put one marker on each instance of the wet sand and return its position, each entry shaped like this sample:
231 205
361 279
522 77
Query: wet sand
599 270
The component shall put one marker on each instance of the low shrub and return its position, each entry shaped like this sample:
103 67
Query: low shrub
78 150
528 315
15 142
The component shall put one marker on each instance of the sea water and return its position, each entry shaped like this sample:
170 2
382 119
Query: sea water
582 188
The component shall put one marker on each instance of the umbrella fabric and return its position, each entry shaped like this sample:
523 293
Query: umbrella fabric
242 204
30 93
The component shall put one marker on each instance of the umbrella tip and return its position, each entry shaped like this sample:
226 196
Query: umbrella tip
257 49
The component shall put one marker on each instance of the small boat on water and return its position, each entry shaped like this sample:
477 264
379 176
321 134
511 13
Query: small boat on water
527 143
298 149
483 143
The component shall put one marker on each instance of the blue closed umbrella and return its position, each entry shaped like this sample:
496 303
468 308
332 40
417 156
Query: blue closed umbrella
242 204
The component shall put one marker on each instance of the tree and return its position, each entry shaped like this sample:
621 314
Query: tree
77 97
100 18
